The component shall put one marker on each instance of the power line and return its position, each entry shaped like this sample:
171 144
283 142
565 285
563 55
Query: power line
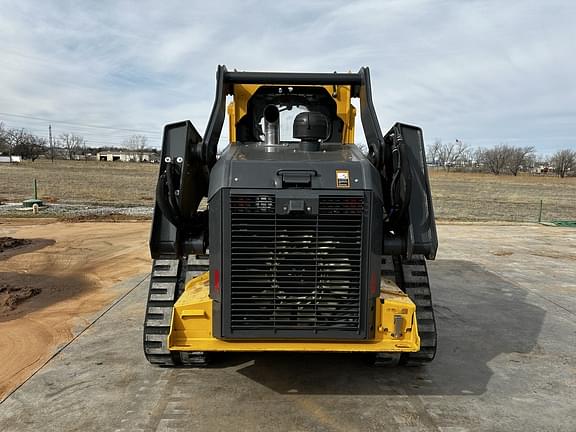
77 124
93 136
105 140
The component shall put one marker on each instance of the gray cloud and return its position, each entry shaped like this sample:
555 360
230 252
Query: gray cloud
481 71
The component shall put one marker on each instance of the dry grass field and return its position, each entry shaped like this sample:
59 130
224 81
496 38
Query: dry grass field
486 197
457 196
91 182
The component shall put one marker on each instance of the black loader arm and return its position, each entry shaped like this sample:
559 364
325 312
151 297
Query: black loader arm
178 228
410 227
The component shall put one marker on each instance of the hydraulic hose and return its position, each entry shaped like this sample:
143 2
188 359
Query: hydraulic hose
166 197
401 182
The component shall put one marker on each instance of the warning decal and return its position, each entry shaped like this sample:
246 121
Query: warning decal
342 178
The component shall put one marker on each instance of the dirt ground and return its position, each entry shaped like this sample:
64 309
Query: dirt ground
53 277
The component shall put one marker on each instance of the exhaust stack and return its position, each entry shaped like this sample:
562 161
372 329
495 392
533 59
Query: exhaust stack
271 125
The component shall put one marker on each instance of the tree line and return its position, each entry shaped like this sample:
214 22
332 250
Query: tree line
66 145
21 142
499 159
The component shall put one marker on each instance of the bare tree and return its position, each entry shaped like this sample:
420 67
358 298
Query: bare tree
564 161
451 154
4 139
15 138
433 151
517 157
504 157
21 142
55 151
494 158
30 146
531 160
38 147
72 143
137 143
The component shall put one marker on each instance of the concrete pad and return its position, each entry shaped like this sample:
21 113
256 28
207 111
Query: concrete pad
506 310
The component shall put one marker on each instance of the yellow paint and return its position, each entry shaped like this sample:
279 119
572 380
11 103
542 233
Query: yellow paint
191 328
232 122
238 108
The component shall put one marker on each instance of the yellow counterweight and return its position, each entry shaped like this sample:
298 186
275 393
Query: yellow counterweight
191 327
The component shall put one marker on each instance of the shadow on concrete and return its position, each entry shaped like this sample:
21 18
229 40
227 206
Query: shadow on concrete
480 316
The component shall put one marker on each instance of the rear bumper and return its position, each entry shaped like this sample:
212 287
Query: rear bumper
191 326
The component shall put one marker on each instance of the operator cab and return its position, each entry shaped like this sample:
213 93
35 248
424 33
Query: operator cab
305 118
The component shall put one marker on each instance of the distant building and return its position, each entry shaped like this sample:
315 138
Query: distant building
543 169
6 159
127 156
82 157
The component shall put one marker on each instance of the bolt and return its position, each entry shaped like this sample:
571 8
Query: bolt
235 179
355 180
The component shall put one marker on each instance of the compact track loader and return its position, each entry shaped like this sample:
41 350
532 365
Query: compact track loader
291 241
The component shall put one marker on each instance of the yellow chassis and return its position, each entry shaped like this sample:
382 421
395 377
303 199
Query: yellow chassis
191 327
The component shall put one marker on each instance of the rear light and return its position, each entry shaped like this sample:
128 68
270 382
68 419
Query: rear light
216 278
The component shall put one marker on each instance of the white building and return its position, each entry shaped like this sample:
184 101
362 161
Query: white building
126 156
6 159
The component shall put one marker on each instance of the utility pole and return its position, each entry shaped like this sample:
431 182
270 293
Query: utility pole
51 144
10 151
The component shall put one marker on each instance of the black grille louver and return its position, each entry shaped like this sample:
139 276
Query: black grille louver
299 272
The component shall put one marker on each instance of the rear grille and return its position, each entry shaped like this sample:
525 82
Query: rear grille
296 273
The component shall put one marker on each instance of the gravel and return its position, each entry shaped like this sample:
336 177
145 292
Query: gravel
76 210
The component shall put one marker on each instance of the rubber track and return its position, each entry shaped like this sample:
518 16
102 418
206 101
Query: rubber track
412 277
167 282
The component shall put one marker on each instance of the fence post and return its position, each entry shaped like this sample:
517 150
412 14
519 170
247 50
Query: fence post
540 213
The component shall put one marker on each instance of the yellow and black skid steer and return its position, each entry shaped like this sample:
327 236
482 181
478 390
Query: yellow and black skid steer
292 238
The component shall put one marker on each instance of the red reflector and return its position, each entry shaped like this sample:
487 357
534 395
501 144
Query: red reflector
216 276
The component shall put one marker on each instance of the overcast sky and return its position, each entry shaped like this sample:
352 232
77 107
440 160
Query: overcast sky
484 72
